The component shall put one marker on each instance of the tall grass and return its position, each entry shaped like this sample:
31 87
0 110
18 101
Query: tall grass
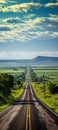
51 100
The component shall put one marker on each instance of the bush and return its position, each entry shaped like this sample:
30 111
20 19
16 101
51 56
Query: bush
53 88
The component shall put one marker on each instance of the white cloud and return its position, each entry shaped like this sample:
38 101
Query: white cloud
19 30
11 20
24 7
51 25
43 35
11 1
2 54
29 29
45 53
53 18
55 4
35 21
2 1
24 34
27 55
54 34
29 16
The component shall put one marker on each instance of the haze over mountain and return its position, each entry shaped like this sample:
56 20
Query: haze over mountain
44 60
39 60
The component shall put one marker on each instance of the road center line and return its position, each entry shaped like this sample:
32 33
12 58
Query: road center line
28 116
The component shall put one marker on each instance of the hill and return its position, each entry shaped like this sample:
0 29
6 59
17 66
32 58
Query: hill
44 60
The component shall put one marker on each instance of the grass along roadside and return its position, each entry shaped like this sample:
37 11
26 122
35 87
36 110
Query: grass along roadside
51 100
15 93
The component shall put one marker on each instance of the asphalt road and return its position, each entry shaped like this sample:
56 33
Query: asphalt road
27 114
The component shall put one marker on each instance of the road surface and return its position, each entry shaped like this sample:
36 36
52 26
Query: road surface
27 113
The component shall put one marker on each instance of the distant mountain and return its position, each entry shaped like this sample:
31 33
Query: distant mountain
44 60
13 63
39 60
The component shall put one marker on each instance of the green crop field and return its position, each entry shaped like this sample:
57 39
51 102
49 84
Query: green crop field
48 73
41 86
11 70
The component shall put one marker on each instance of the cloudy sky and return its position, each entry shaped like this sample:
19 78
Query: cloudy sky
28 28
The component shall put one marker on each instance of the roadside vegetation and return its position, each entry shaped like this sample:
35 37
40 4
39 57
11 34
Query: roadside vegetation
45 85
11 87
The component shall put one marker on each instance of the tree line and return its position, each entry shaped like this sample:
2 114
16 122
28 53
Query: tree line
6 83
9 82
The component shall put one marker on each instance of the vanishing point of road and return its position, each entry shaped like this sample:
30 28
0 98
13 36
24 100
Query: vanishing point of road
27 113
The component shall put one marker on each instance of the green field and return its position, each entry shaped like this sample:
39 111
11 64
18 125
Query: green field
41 87
13 71
48 73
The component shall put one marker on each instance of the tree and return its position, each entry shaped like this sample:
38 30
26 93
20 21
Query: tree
53 87
6 83
19 83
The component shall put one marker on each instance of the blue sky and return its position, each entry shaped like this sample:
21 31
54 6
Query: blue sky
28 28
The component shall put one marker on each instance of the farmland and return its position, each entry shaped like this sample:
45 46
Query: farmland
12 70
50 74
45 78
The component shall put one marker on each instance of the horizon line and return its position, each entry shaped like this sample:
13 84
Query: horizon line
32 58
